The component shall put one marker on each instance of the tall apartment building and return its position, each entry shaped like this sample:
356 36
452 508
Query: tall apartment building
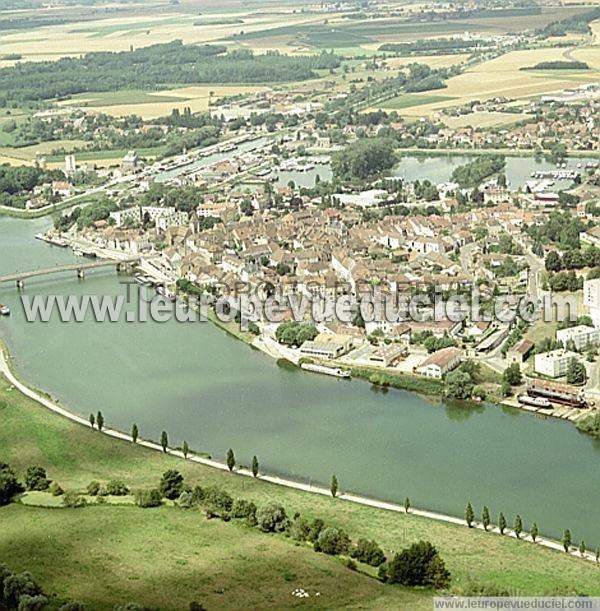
591 299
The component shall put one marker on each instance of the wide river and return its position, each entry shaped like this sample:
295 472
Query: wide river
199 384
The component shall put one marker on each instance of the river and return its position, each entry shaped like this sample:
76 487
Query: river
201 385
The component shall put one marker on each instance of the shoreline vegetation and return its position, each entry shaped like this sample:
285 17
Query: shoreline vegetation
44 400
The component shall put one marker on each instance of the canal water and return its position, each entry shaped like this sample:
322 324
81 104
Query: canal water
439 169
201 385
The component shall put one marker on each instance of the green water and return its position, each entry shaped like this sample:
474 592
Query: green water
203 386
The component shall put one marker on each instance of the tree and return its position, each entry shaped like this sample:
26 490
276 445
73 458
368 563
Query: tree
418 565
469 515
92 420
185 449
553 262
576 373
485 517
368 552
17 585
459 385
35 478
272 518
148 498
9 485
566 540
255 466
512 375
164 440
501 523
334 486
116 487
230 459
518 526
100 421
171 484
332 541
582 548
363 159
73 500
243 509
406 505
534 531
134 433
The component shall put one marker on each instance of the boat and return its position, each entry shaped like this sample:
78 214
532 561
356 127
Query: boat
4 310
336 372
541 402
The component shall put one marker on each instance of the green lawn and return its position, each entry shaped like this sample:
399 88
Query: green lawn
124 97
167 557
409 100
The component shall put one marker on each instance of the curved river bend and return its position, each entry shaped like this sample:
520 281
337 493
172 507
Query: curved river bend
203 386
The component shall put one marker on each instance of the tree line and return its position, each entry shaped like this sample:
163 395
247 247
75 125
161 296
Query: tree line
152 67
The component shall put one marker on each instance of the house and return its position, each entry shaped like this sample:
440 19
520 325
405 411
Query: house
519 352
61 188
440 363
131 162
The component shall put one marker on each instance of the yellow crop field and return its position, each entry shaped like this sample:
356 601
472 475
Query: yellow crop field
28 154
435 61
502 77
14 161
120 34
484 119
196 98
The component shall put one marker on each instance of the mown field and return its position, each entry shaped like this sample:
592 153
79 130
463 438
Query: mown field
504 77
169 556
150 105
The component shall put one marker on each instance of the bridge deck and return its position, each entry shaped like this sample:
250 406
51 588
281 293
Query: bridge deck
75 267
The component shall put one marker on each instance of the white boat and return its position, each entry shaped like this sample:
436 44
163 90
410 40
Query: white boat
4 310
336 372
534 401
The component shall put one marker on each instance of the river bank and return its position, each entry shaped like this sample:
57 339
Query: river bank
7 371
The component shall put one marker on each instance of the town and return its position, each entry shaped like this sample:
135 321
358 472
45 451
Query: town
299 302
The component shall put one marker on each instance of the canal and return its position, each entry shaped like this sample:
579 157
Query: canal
199 384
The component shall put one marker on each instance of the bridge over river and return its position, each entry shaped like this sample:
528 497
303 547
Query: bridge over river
80 268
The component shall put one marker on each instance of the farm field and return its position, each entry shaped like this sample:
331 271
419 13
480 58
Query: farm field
121 34
28 153
408 100
503 77
150 105
484 119
435 61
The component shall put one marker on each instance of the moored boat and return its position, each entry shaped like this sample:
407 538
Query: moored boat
336 372
541 402
4 310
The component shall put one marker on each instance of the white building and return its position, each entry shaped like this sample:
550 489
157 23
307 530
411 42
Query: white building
554 364
126 216
440 363
581 335
70 165
591 299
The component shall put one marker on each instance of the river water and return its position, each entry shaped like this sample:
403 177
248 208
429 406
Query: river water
201 385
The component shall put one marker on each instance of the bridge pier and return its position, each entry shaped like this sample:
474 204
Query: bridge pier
20 284
80 273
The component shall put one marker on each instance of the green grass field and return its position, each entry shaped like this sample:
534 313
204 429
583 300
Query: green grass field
410 100
169 556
